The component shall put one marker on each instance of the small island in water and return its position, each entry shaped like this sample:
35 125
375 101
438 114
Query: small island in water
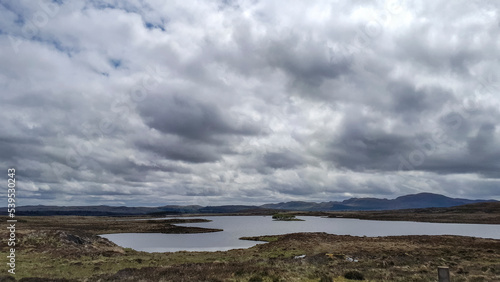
286 217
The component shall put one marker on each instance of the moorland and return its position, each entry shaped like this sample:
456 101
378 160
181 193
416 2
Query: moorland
68 248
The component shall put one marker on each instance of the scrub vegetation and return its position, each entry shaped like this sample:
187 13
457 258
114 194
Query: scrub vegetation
285 217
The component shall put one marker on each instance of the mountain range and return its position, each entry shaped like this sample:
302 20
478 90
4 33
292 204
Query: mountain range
414 201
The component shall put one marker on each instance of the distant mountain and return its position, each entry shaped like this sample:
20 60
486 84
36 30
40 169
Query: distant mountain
416 201
300 206
84 210
227 209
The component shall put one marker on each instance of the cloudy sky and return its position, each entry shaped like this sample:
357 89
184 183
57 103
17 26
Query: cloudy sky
146 103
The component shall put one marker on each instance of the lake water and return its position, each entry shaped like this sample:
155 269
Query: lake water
244 226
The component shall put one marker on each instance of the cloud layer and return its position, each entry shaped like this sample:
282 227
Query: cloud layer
216 102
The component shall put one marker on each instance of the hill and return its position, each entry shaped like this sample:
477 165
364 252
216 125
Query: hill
422 200
415 201
480 213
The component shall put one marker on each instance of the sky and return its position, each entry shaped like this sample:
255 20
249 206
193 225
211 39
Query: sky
150 103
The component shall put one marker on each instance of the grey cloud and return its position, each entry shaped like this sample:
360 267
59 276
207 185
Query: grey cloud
484 141
283 160
359 145
408 101
255 100
192 119
12 147
181 150
305 61
297 189
268 162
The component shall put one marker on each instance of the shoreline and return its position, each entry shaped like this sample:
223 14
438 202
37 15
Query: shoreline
380 216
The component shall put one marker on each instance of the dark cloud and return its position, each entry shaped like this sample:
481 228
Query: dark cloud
192 119
407 101
304 60
357 150
484 141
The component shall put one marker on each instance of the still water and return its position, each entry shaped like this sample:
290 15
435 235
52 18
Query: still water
241 226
